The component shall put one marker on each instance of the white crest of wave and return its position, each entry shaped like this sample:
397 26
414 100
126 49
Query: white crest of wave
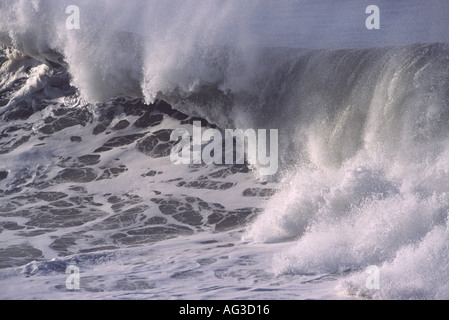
372 185
136 47
354 217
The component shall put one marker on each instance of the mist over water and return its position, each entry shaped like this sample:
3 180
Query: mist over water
183 45
363 116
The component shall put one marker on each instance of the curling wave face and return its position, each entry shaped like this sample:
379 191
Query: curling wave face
371 185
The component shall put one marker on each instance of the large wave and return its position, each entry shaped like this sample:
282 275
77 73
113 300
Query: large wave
364 132
370 129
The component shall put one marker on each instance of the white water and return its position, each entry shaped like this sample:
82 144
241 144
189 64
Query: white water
363 117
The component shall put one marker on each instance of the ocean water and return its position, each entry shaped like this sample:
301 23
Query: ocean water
357 210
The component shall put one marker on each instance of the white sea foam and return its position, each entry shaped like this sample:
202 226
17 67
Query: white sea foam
363 120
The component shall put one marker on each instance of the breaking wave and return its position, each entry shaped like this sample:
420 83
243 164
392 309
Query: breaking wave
364 132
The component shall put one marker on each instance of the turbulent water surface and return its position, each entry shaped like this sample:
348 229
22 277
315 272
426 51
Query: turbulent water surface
86 178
